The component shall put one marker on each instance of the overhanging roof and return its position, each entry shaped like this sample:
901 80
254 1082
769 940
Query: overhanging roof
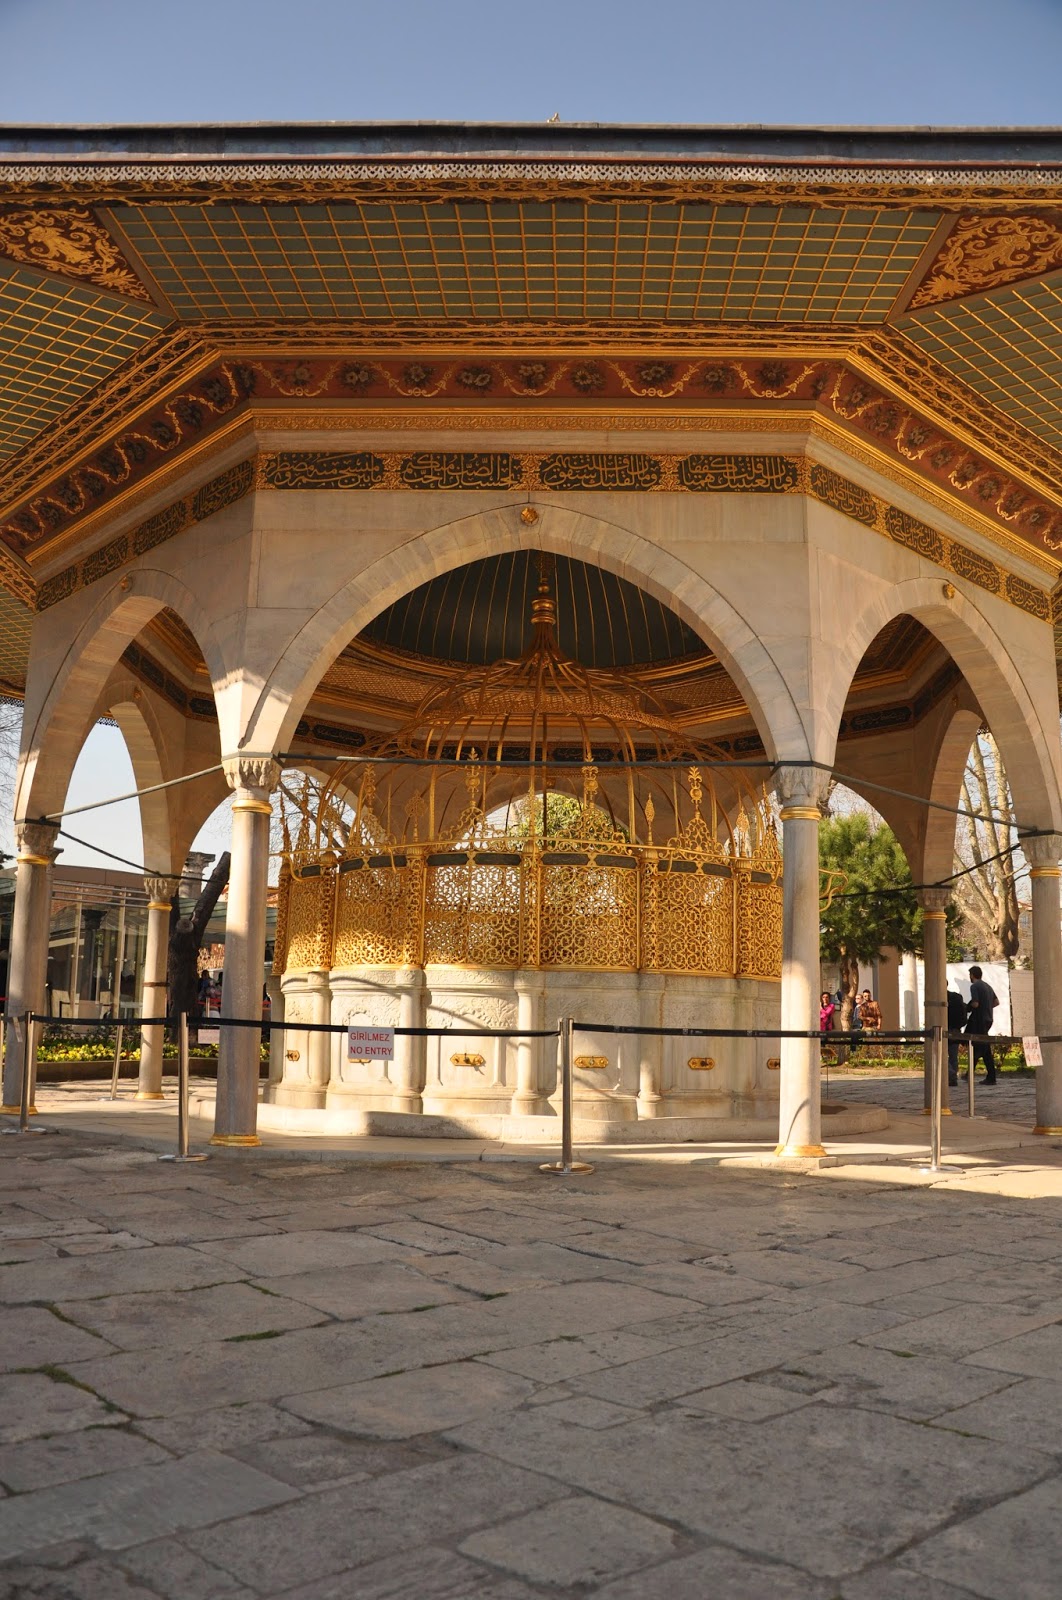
900 286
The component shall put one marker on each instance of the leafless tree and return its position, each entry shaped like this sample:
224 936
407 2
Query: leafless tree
10 735
987 895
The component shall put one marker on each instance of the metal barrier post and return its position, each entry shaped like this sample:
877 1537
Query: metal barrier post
182 1095
29 1076
970 1078
117 1062
566 1166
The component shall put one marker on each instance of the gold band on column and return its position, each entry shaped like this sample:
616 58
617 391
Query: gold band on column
261 806
158 905
1051 1132
235 1140
149 1094
800 814
34 861
1045 872
802 1150
935 916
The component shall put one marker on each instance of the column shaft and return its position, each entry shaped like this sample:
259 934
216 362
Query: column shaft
409 1050
527 1096
153 999
28 962
799 1108
1047 994
236 1112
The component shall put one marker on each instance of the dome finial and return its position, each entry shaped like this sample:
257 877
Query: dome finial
544 605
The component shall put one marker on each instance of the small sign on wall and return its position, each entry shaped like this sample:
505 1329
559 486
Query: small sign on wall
208 1035
1034 1056
370 1044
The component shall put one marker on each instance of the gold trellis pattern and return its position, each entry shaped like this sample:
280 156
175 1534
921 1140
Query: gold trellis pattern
674 909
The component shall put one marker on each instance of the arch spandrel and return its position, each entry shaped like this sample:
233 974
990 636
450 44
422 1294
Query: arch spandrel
1025 728
272 723
67 677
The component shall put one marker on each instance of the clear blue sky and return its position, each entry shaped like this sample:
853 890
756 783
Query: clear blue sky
822 62
814 61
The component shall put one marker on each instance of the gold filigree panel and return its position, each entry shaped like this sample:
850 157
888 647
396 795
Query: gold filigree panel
982 253
309 919
69 242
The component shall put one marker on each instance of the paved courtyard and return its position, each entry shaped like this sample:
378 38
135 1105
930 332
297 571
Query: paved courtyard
405 1382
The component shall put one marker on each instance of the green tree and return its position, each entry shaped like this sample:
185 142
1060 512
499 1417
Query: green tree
860 920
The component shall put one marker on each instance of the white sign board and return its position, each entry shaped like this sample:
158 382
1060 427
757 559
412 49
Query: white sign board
208 1035
370 1044
1034 1056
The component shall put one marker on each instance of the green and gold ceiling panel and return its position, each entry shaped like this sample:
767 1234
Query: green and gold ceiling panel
16 623
57 341
1006 346
562 259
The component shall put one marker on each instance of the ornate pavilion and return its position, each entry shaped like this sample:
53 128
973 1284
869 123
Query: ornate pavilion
539 513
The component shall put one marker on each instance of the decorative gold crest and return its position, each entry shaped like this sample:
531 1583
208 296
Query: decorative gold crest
71 244
984 253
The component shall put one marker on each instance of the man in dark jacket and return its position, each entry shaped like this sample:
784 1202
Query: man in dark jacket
982 1004
956 1023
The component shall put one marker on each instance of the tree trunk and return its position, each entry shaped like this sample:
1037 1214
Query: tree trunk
186 941
849 987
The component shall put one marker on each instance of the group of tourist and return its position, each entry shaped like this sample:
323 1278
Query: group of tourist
972 1017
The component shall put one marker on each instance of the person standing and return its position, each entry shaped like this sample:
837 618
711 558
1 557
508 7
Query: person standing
956 1024
826 1011
979 1011
869 1013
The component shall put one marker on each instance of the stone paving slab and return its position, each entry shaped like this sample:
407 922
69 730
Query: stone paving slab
666 1380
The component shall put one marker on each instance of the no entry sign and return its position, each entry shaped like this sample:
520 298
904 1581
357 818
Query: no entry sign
370 1044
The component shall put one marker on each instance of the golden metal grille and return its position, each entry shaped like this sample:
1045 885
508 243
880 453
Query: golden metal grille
57 341
516 870
621 259
646 909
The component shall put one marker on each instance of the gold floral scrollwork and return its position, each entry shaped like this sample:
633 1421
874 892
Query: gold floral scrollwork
70 243
984 253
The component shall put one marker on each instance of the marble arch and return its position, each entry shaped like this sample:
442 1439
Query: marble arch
1028 742
61 701
283 697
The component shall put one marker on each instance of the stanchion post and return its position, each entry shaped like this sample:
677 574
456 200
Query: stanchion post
117 1062
182 1094
970 1077
566 1166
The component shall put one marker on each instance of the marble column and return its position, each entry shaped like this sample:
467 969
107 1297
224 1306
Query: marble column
153 999
909 990
277 1003
1043 855
935 958
651 1046
319 1045
252 778
800 791
410 1055
527 1098
28 960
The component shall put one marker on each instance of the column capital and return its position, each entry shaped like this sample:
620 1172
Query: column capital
800 790
1042 851
256 775
159 890
934 902
36 842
